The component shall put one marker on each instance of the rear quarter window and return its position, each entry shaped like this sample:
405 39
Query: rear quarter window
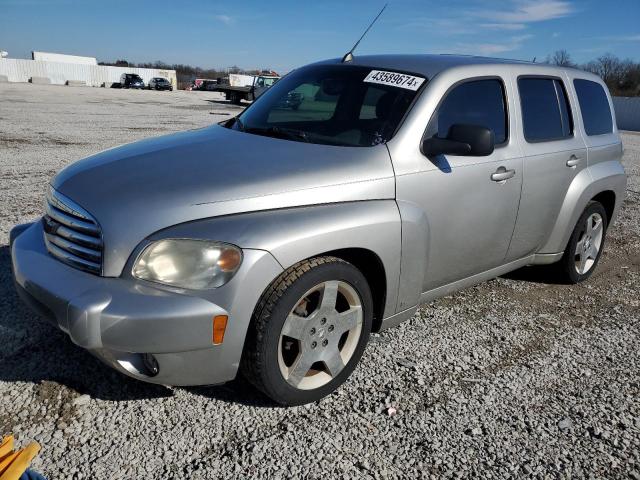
594 105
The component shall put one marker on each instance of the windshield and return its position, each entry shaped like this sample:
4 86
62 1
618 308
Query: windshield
266 82
332 104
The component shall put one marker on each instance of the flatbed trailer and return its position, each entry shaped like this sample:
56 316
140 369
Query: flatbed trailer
235 94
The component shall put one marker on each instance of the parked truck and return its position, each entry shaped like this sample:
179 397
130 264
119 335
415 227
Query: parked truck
238 87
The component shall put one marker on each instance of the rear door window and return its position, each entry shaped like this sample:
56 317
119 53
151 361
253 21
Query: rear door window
475 102
594 105
546 114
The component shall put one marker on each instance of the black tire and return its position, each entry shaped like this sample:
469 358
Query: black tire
260 357
567 266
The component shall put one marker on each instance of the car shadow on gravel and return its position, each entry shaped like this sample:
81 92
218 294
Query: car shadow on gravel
227 103
239 391
536 274
34 351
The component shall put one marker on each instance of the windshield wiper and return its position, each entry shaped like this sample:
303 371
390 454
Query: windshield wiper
278 132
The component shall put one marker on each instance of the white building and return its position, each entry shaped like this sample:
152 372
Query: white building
62 58
60 69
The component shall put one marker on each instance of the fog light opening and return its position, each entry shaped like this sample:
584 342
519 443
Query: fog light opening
139 364
151 364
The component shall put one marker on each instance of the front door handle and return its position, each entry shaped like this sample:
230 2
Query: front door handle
502 174
573 161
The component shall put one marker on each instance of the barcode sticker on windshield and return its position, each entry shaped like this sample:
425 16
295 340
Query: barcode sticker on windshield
394 79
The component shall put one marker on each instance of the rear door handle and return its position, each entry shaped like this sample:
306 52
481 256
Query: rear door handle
502 174
573 161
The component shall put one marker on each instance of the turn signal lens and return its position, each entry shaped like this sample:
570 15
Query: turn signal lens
229 260
219 326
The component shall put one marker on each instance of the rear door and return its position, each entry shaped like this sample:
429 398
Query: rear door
554 153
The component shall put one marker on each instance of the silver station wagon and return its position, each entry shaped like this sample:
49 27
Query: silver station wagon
274 243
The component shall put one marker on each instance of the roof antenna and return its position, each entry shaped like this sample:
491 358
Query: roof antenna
349 55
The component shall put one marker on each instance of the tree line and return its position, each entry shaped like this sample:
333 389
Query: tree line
621 76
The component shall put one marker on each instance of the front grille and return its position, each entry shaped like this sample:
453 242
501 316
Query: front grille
71 234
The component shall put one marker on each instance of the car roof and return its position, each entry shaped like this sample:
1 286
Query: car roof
428 65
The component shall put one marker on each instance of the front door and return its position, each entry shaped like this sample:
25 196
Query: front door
471 203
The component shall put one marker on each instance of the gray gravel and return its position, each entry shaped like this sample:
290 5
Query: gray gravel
516 377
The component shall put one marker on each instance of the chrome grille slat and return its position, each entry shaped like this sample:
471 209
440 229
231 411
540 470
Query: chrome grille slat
77 237
72 222
75 249
71 259
71 234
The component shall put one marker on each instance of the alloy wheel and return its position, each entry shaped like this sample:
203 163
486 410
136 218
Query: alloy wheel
320 335
588 247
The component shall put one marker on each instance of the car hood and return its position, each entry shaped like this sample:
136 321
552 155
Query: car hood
140 188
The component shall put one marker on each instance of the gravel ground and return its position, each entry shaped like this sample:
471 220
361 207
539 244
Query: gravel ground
517 377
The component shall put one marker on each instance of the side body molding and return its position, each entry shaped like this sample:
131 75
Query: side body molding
294 234
587 184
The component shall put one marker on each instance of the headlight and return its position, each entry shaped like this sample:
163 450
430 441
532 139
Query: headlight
192 264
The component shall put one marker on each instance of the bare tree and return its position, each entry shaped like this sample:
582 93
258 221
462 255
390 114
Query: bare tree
561 58
608 67
621 76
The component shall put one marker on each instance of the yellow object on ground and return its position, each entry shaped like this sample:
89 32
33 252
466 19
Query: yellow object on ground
6 446
13 464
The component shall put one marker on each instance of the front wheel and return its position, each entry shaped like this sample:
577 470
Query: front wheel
308 331
585 245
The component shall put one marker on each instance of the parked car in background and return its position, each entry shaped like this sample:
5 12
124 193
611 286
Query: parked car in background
131 80
159 83
203 84
275 242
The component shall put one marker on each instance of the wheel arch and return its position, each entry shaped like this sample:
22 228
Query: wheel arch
365 234
371 266
604 182
608 200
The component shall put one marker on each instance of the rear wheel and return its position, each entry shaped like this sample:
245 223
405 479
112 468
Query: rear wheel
585 245
309 331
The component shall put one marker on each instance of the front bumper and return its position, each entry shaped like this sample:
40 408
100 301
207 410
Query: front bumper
122 320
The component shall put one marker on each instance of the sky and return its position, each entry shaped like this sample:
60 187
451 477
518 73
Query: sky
282 35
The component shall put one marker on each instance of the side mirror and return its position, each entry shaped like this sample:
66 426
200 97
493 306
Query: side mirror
465 140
